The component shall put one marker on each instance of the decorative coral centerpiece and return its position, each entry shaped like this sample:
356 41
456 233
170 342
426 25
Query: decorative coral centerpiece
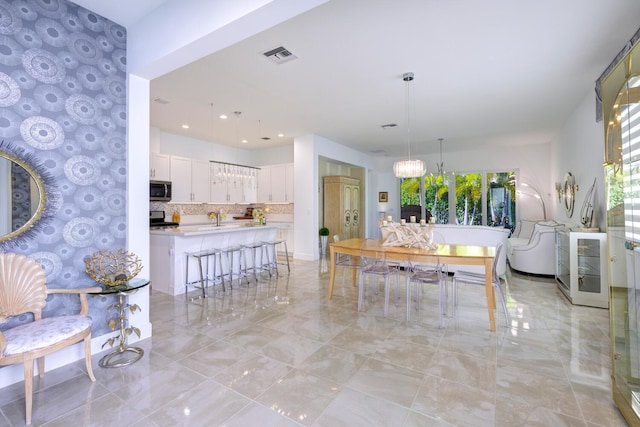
111 268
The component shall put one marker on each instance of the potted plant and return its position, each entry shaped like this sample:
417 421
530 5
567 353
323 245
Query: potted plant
324 236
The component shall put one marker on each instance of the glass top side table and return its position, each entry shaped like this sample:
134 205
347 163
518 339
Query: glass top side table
123 355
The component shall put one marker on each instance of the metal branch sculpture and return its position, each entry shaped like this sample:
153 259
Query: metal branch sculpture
113 268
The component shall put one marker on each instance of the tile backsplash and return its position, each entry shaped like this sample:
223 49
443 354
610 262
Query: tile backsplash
229 210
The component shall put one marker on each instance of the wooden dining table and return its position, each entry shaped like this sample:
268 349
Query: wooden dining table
443 254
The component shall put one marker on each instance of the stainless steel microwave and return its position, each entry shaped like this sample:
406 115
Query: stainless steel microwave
160 191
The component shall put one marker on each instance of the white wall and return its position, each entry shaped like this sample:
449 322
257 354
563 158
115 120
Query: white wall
306 153
272 156
580 150
183 146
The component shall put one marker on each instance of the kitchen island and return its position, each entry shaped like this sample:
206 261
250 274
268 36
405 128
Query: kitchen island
169 246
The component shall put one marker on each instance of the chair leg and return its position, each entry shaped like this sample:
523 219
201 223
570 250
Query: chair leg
40 366
408 292
386 295
28 389
504 303
286 254
504 277
361 292
87 356
397 289
454 285
441 304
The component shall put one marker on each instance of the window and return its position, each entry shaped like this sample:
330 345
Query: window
495 191
436 197
469 199
501 200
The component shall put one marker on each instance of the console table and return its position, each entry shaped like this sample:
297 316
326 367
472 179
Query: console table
123 355
581 267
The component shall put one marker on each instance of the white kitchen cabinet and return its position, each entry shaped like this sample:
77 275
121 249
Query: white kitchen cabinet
275 184
264 184
233 188
159 167
190 178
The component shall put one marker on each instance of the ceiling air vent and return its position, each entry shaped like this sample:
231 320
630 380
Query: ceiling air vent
279 55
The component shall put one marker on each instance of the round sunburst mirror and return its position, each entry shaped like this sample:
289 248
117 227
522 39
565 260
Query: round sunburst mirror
23 196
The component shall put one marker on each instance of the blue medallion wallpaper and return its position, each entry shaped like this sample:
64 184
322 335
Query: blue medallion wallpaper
63 103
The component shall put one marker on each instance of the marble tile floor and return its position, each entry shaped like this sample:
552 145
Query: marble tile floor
279 353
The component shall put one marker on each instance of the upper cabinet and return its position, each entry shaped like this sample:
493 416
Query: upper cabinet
159 167
233 184
190 179
275 184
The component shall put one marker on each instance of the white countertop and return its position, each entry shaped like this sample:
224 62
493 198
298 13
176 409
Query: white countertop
195 230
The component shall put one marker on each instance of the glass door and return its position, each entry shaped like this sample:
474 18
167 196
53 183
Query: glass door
622 173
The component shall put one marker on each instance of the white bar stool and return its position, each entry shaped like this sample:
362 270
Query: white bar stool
205 256
274 250
256 264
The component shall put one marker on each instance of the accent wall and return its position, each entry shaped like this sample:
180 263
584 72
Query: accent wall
63 102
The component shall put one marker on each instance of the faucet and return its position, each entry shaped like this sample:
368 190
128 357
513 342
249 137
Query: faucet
218 218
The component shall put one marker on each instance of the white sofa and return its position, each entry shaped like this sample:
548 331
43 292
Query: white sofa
474 235
531 249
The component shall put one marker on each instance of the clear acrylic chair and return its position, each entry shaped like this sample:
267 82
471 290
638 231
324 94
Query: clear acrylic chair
377 266
421 274
479 279
345 261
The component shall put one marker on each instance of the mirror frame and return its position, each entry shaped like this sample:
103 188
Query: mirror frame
10 153
569 194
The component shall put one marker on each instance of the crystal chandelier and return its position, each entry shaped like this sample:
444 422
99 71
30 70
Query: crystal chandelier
408 168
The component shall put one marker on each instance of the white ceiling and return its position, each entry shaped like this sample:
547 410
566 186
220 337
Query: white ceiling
487 73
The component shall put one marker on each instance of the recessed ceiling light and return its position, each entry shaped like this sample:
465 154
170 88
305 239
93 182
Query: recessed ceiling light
223 116
185 126
265 138
244 141
280 135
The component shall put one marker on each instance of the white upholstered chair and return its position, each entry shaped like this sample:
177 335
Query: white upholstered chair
532 250
23 290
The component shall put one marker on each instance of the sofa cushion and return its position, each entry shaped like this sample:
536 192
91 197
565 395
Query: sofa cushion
44 333
524 228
